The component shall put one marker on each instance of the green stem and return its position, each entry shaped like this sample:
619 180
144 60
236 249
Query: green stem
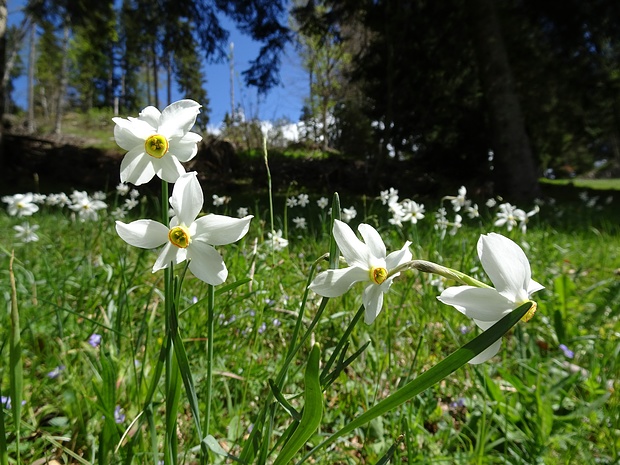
209 380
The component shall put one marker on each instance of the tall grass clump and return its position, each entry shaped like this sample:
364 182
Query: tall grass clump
271 333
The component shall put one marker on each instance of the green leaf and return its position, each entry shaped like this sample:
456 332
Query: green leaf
432 376
313 410
285 404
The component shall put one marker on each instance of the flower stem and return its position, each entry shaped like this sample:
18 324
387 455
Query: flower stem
209 380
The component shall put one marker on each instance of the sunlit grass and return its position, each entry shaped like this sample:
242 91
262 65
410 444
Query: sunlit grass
530 404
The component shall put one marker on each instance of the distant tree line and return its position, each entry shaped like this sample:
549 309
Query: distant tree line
460 89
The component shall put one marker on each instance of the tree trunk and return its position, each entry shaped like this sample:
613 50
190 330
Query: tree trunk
31 64
3 19
64 70
515 170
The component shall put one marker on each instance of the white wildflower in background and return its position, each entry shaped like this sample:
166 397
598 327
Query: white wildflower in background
509 270
368 263
456 224
398 214
242 211
300 222
525 217
460 201
323 202
39 198
472 211
507 216
413 211
122 189
134 194
491 203
85 206
157 142
119 213
57 200
389 196
26 233
99 195
219 201
276 240
188 237
130 204
303 200
348 214
20 204
291 202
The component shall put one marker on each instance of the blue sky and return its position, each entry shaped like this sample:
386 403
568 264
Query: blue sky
285 100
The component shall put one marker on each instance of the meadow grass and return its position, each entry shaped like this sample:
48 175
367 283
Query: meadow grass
547 397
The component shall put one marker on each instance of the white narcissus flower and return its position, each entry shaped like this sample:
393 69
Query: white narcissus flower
188 237
157 143
21 204
367 262
509 270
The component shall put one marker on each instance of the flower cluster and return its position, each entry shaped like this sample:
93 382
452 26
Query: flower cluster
157 143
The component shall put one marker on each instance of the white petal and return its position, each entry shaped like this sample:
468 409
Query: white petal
187 198
185 148
334 283
373 302
220 229
373 240
168 168
146 234
354 251
125 138
132 129
475 302
137 167
399 257
206 263
534 287
151 115
506 264
169 254
487 353
178 118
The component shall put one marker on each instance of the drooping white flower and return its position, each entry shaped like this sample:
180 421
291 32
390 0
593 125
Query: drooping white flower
509 270
26 233
460 200
157 142
20 204
188 237
368 263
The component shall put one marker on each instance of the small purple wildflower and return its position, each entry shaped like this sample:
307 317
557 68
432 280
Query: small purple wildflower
464 329
94 340
262 328
276 322
567 352
55 373
119 415
6 402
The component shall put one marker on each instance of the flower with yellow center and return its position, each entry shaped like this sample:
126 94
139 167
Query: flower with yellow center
157 143
367 262
510 272
188 237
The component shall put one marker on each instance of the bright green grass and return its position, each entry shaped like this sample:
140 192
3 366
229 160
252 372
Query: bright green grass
595 184
530 404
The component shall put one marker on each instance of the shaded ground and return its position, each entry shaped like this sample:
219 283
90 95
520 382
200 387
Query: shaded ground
54 164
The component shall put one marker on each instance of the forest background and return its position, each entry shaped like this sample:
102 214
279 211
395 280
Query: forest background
488 94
